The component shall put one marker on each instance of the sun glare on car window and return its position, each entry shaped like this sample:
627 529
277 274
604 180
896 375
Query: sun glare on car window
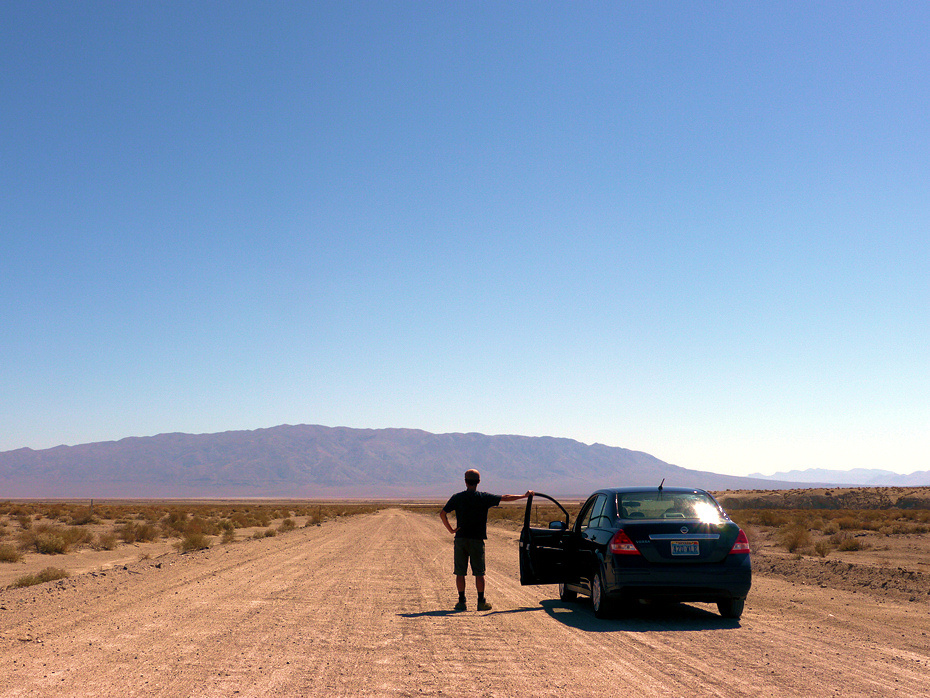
706 512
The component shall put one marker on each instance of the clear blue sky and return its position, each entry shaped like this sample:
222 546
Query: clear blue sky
700 230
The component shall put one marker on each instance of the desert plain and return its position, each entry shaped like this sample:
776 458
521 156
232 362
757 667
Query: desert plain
315 599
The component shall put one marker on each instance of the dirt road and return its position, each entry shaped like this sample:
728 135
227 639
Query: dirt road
361 607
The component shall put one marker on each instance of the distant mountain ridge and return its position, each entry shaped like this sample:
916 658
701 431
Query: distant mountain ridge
316 461
863 477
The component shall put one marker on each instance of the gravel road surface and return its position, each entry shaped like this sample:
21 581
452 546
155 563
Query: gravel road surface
361 606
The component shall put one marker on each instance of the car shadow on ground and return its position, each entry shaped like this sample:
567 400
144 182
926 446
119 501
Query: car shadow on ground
637 618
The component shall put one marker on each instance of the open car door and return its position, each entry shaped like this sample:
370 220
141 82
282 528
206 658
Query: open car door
542 550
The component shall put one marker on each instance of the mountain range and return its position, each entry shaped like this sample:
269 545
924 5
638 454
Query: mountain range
309 461
863 477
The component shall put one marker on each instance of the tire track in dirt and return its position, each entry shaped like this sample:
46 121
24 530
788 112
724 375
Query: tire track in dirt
362 607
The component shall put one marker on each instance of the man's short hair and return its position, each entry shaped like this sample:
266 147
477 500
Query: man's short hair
472 476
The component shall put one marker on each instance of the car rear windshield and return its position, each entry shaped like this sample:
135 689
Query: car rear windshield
666 505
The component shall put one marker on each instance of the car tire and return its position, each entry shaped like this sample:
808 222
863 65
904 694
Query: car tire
603 607
731 608
566 594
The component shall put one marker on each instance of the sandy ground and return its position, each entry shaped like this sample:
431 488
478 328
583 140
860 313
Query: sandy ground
362 607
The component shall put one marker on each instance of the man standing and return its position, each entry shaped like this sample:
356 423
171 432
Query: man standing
471 530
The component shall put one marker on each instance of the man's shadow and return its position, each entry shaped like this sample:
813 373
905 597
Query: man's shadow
444 613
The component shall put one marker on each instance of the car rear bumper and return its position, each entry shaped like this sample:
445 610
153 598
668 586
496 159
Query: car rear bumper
730 579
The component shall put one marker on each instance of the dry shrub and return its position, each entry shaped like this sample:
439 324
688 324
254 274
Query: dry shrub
135 532
49 574
82 518
822 548
229 535
287 525
794 537
249 519
106 540
853 544
770 517
193 541
76 536
849 523
53 540
9 553
50 544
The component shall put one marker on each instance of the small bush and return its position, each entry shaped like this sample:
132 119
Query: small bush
9 553
769 517
287 525
135 532
822 548
106 541
76 536
50 544
229 535
193 541
82 519
49 574
794 538
849 523
853 544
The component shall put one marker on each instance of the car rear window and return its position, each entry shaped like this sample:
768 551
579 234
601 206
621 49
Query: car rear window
662 505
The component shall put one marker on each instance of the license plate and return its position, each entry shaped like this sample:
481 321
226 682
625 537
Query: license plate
685 547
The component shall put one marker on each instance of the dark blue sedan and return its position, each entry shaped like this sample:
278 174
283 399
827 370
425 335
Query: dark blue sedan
630 543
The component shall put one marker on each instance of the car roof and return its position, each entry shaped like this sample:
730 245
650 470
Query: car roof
665 490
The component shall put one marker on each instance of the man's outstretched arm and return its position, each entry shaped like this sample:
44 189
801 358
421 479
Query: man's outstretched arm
515 497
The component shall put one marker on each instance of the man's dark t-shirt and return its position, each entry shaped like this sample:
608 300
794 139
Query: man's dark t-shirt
471 512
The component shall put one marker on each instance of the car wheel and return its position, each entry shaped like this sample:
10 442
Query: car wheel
731 608
602 605
565 594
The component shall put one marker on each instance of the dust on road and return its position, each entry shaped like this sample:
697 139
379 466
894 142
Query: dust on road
362 607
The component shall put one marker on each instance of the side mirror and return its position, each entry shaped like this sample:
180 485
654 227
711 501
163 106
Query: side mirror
557 525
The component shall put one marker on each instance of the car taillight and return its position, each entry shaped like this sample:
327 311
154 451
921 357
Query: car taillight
741 545
621 544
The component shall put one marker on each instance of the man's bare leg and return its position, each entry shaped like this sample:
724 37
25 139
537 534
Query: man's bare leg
460 585
479 585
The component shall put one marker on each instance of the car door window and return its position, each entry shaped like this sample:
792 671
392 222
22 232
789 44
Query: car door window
598 519
584 517
599 513
592 512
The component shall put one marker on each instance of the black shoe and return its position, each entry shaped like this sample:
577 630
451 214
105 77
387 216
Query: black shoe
460 606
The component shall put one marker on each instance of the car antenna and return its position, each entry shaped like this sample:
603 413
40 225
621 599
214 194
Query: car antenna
661 483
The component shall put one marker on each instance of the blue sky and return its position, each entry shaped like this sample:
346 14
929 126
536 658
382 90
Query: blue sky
698 230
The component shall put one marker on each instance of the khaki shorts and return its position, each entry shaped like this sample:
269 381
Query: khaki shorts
469 549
